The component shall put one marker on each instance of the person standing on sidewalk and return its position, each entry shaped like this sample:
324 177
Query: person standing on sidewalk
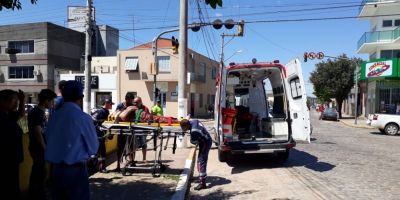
157 109
37 122
11 110
321 110
199 136
99 116
121 140
71 140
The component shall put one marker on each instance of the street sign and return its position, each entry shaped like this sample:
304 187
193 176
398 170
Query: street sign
311 55
320 55
94 82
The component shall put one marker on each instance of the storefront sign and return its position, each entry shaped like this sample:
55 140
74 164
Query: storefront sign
94 82
379 69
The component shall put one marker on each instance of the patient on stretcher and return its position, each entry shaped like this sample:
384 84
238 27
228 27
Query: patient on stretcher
133 114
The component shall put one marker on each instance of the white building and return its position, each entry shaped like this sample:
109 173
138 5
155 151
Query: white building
104 80
380 76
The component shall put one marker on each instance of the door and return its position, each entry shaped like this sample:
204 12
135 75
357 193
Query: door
163 98
220 100
297 98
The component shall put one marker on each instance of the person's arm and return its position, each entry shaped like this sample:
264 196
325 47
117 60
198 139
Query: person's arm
37 133
90 136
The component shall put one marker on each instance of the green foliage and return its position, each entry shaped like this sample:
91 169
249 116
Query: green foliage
214 3
12 4
334 78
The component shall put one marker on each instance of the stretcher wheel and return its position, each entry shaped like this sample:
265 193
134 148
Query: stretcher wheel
158 169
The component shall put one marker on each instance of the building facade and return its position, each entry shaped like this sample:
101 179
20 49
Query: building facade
135 75
103 81
379 76
32 54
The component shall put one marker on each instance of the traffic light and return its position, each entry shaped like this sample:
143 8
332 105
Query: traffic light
175 45
240 28
305 56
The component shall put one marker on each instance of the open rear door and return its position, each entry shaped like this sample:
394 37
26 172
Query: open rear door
220 98
297 97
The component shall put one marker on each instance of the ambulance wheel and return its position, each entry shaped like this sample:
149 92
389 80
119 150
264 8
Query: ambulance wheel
223 155
283 156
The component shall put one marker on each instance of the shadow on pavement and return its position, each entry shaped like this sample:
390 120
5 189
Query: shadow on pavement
221 195
242 163
216 180
103 188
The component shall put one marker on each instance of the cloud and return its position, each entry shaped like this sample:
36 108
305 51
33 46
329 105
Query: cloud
219 14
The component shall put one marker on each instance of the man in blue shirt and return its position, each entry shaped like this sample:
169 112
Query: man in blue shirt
71 140
199 136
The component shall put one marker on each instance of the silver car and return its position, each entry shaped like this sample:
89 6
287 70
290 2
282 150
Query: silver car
330 113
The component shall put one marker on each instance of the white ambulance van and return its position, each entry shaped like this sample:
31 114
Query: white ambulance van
248 121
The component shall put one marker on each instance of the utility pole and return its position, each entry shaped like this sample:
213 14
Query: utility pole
356 94
182 100
88 59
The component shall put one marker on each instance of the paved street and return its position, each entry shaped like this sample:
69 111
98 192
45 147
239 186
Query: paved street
341 163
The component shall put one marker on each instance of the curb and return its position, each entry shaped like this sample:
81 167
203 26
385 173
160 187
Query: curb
355 126
182 186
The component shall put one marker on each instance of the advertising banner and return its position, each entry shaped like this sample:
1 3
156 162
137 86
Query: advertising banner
380 68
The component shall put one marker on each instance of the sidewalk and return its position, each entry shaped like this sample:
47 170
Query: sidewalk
172 184
350 121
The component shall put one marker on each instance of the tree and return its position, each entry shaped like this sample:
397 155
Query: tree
334 79
12 4
214 3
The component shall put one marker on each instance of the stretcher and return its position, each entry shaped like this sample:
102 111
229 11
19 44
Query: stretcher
157 134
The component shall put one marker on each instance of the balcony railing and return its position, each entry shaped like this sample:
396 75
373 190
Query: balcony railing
369 1
379 36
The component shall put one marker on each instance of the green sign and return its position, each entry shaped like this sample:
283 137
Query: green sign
380 68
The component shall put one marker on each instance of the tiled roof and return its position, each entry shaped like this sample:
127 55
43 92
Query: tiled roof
161 43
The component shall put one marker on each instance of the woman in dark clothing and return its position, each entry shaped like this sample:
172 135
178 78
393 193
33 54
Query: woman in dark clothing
11 110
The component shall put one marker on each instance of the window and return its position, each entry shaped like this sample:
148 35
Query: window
100 97
24 46
397 22
131 63
388 54
387 23
201 101
193 66
214 72
295 88
20 72
163 64
202 70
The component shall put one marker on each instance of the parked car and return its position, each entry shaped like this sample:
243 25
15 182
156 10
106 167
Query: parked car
330 113
386 123
29 107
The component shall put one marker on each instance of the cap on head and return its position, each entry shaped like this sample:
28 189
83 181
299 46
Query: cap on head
72 91
107 100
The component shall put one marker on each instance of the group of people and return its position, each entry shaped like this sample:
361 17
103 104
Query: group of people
67 137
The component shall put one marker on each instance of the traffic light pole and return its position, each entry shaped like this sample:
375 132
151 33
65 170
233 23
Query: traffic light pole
154 46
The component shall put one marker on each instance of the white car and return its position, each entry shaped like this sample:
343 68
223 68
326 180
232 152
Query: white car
386 123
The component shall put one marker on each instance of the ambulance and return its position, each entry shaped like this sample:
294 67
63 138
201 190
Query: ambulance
260 108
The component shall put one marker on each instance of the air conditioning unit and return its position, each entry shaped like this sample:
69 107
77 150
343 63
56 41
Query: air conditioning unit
37 73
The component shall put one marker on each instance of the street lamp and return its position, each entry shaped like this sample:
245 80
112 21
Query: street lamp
238 51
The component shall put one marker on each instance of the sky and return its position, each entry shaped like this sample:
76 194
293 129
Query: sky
274 30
